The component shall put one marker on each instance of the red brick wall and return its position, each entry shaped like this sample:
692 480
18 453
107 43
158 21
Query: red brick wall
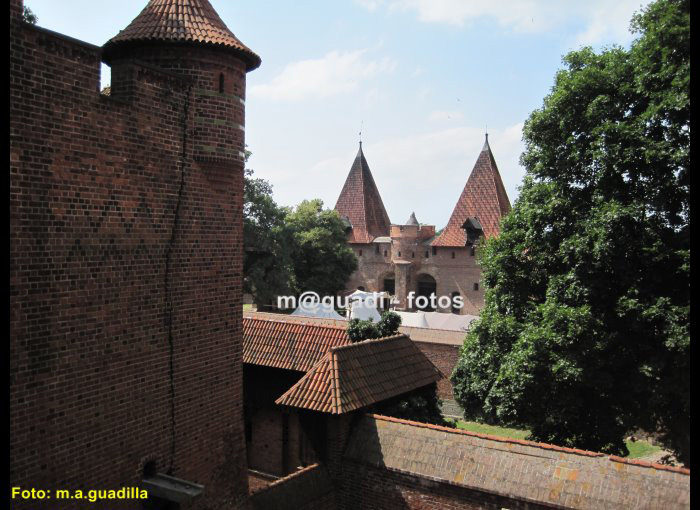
310 488
445 358
125 275
369 488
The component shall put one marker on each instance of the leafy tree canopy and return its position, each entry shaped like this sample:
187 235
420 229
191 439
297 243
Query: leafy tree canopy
267 264
388 325
322 259
29 16
585 331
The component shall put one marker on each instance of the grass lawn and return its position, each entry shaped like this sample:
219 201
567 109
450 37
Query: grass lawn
637 449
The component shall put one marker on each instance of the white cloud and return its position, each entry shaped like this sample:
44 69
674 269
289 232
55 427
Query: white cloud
334 73
602 19
424 172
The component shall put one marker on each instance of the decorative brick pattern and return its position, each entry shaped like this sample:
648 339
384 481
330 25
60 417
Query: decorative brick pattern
125 274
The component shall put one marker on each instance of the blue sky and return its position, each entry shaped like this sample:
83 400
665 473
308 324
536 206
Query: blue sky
421 78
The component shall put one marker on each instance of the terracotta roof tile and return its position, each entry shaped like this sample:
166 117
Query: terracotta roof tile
361 374
546 475
484 197
288 345
182 21
361 203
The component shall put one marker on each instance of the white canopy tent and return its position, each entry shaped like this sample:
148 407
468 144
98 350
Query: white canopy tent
436 320
318 310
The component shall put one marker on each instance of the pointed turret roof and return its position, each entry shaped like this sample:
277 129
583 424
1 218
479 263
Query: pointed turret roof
182 21
412 219
484 197
361 203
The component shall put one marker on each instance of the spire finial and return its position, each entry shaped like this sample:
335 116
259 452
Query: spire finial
360 133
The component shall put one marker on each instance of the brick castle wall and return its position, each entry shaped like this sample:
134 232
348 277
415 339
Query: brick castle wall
458 274
125 271
365 487
445 358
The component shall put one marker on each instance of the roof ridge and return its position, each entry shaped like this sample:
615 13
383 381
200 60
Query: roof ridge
492 437
297 322
369 341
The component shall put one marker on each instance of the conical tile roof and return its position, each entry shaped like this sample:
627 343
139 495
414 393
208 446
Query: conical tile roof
360 202
484 197
412 219
193 21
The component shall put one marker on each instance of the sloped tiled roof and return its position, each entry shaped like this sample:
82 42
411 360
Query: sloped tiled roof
181 21
288 345
361 203
484 197
533 472
361 374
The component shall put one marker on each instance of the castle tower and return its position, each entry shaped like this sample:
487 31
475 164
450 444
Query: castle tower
360 203
126 249
188 38
483 198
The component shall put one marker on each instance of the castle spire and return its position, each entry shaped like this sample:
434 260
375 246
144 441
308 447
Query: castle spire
362 204
484 197
180 21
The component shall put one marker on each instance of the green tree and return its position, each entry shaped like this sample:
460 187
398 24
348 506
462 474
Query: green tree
585 331
321 257
29 16
388 325
267 263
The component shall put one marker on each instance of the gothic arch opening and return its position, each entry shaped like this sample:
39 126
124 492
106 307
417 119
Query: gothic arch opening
426 286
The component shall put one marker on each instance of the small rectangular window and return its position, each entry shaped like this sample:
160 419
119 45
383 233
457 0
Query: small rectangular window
360 253
476 286
427 254
434 250
453 254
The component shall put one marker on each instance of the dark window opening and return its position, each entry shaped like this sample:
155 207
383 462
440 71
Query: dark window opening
376 249
361 288
427 254
385 253
221 83
472 251
453 254
360 253
427 286
150 468
389 285
399 254
434 250
413 254
476 286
